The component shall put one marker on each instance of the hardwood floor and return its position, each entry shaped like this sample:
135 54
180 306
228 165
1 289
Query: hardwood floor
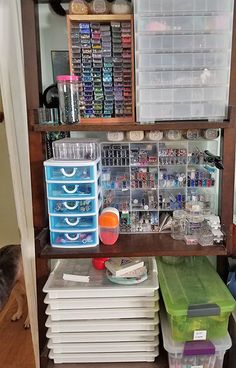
16 349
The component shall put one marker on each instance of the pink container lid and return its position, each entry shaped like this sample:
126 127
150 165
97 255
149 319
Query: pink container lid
72 78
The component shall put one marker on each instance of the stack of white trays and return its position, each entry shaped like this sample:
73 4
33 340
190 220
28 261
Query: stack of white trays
73 192
183 57
100 321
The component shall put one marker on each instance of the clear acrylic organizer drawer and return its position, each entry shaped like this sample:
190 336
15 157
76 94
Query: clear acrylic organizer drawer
150 112
176 78
70 190
193 24
76 207
184 6
169 43
183 95
69 173
73 239
182 61
72 223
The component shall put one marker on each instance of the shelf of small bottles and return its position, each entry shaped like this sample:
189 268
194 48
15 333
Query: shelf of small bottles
101 53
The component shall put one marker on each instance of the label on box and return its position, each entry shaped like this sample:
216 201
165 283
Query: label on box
196 366
199 335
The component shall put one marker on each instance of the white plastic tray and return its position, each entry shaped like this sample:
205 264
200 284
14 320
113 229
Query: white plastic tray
93 314
144 324
91 303
99 285
89 337
104 357
104 347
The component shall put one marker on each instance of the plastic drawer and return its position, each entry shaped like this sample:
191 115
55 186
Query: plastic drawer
182 61
99 284
108 325
103 347
184 6
182 94
76 303
65 223
70 190
73 239
75 207
178 23
186 78
92 314
149 112
148 356
169 43
70 173
58 338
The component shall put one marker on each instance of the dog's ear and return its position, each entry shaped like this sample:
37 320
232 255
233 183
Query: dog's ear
57 7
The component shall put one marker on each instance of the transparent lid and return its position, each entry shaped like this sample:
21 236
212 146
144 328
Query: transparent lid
193 283
179 215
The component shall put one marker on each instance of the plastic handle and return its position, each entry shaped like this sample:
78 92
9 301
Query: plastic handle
203 310
68 175
71 237
70 223
72 191
68 207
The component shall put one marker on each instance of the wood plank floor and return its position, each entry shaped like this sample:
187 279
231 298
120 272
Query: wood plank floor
16 349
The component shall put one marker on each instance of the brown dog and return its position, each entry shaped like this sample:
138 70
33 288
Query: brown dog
12 279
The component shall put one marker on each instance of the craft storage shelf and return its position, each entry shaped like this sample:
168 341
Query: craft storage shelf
144 179
104 65
183 55
131 244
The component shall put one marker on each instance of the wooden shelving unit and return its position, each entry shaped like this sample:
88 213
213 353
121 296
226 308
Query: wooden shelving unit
135 245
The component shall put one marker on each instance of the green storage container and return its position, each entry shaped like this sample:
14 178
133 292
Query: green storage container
197 301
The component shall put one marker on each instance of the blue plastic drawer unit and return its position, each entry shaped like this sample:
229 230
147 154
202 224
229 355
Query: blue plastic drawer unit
75 207
72 171
73 192
74 239
73 223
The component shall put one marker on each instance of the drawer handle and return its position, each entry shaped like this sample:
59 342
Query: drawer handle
68 175
68 207
72 237
70 191
71 223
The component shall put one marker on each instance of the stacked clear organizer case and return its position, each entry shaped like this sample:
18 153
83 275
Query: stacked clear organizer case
73 192
144 180
100 321
183 56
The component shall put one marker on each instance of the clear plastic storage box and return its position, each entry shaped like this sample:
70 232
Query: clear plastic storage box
75 149
197 301
195 353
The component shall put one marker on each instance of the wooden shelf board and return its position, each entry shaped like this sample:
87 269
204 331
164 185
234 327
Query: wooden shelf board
101 17
135 245
114 127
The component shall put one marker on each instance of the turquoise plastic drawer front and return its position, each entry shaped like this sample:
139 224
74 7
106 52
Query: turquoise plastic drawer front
72 223
70 173
76 207
73 239
71 190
